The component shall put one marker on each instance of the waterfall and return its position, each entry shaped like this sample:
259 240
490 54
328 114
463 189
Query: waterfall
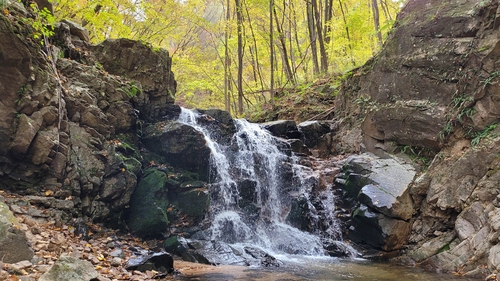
254 182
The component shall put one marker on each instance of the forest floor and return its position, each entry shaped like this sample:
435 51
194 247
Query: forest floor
302 102
106 249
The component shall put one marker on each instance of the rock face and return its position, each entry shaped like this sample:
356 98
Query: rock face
433 89
379 190
97 122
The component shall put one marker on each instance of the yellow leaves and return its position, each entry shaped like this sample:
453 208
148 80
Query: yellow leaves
49 193
101 257
5 12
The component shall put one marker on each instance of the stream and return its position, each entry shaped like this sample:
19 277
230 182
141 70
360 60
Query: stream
317 269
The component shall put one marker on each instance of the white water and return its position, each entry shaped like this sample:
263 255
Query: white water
254 157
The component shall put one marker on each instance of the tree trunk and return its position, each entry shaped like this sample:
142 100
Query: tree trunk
283 49
227 62
312 36
319 32
376 21
239 20
349 44
328 19
271 51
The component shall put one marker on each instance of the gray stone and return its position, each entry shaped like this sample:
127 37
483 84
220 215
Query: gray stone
384 184
13 243
70 269
432 247
26 132
77 30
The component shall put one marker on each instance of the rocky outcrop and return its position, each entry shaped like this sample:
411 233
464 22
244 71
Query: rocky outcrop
432 92
70 113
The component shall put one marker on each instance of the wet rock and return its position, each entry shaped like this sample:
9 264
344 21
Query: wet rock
144 260
69 268
148 205
265 259
194 203
378 230
13 243
283 128
220 123
339 249
298 147
216 253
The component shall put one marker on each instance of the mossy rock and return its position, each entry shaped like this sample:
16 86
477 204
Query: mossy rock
148 205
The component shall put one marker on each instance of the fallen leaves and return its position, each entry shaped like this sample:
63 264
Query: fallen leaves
105 249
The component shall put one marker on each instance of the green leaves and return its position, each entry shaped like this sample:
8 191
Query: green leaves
194 32
42 24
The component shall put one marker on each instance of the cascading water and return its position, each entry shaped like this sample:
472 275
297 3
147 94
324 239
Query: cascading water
254 180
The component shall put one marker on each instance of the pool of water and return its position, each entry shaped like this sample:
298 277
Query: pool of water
312 269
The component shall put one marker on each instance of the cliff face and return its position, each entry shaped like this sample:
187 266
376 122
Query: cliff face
70 112
434 90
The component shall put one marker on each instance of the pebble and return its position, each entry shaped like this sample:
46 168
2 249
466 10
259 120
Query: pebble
116 261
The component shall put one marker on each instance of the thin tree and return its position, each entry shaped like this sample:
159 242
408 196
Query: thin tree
319 32
376 21
239 20
271 51
227 61
283 49
349 43
312 36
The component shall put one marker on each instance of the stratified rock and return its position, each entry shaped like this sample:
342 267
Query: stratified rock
13 244
26 132
68 268
152 69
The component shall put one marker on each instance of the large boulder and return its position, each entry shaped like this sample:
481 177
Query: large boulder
380 194
67 268
182 146
283 128
149 204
